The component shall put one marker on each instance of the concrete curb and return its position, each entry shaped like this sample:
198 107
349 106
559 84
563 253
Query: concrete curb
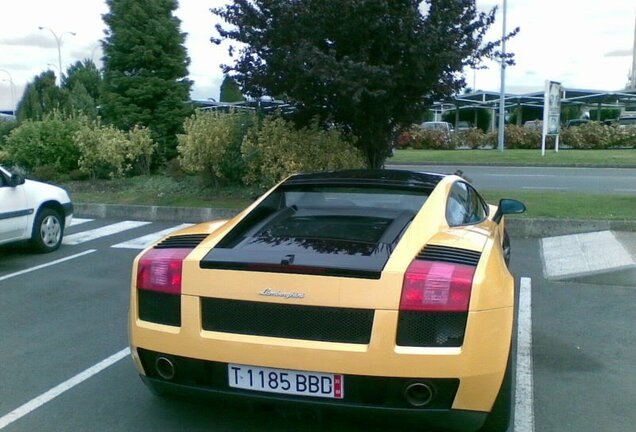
152 213
517 227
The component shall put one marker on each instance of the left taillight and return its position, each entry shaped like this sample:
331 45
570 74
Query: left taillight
161 270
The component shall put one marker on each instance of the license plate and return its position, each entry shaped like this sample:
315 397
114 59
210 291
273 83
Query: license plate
286 381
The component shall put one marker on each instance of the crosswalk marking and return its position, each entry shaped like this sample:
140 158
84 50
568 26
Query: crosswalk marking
104 231
145 241
79 221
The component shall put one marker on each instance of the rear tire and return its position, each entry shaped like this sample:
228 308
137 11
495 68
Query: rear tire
499 418
48 230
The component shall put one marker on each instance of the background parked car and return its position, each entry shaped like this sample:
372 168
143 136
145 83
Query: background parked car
438 125
464 126
31 210
576 122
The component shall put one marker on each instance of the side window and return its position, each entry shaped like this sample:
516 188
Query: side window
457 207
464 206
478 209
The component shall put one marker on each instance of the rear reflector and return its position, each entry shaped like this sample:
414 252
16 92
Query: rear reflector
160 270
437 286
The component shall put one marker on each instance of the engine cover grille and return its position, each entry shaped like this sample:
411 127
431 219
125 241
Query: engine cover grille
287 321
187 241
449 254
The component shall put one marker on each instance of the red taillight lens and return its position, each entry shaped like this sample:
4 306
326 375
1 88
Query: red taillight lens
437 286
160 270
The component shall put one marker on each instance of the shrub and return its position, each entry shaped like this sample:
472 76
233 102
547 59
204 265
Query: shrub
418 138
595 135
110 152
211 144
473 138
45 142
5 128
518 137
276 149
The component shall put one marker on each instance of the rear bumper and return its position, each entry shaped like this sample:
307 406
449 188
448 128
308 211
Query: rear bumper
448 419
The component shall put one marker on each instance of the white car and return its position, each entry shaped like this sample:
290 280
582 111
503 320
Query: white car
30 210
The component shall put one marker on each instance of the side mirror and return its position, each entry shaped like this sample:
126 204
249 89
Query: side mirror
16 180
508 206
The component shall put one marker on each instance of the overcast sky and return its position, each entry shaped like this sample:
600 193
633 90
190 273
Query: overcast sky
584 44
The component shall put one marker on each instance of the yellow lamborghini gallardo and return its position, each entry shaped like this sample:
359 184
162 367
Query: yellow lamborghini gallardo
382 289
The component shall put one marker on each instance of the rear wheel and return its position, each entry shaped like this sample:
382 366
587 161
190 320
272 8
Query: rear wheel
499 418
48 230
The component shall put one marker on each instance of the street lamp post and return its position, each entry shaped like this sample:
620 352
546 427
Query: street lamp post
58 40
12 90
502 96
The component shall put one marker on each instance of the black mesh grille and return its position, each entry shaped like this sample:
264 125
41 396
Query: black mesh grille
160 308
189 241
287 321
431 329
449 254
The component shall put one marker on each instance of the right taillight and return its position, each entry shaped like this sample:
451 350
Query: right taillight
431 286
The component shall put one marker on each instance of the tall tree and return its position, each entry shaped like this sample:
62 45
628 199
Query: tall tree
230 91
369 65
86 73
42 97
146 69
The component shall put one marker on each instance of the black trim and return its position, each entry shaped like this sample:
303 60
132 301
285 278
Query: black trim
449 254
319 323
158 307
17 213
431 329
445 419
186 241
402 179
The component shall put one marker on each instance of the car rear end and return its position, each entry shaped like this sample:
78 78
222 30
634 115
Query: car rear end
355 296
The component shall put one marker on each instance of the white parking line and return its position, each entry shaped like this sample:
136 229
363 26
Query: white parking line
79 221
61 260
145 241
524 393
104 231
48 396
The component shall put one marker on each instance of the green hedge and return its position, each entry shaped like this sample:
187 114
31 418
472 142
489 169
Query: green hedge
592 135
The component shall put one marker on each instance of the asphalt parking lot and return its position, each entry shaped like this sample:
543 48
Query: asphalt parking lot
64 314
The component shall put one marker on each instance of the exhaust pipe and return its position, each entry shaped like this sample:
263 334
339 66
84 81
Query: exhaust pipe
165 368
418 394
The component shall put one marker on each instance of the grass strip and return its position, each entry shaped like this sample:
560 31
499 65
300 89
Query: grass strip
574 158
569 205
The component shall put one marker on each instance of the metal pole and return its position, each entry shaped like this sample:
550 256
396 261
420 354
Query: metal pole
11 89
502 96
58 40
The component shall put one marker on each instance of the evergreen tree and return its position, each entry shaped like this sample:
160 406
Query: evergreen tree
230 91
42 96
86 73
146 69
367 65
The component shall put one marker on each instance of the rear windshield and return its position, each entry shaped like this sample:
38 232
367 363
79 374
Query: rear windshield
353 228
